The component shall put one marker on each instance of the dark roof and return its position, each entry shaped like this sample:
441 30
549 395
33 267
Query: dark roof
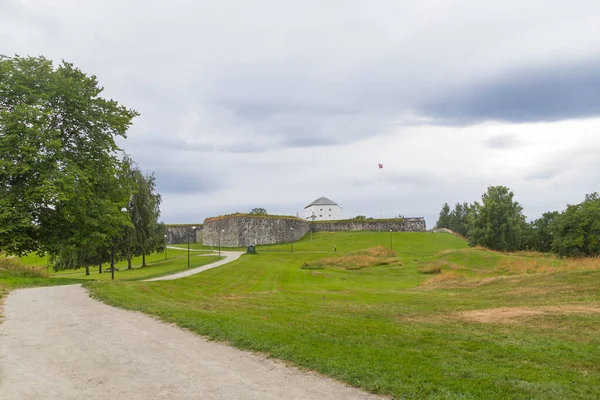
322 201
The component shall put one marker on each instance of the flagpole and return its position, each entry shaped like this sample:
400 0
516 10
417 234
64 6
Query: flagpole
379 167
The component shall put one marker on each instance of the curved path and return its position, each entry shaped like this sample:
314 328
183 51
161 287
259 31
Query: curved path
228 256
58 343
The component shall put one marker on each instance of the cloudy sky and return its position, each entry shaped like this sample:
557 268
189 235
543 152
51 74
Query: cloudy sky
274 103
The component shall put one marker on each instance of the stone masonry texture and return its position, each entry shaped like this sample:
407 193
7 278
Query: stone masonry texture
243 230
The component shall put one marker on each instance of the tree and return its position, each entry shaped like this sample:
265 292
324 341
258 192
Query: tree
444 218
460 218
146 236
58 158
498 223
258 211
577 229
542 232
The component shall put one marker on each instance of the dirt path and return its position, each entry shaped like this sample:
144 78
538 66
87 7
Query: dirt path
57 343
228 256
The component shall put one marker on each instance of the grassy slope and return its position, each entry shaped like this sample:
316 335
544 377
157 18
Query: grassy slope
156 266
381 329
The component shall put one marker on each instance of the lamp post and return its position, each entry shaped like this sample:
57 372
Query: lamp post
112 254
291 240
391 239
193 228
312 222
166 248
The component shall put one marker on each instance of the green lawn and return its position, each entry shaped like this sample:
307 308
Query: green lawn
392 330
156 266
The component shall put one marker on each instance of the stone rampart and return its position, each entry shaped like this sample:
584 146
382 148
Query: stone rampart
395 225
239 230
178 234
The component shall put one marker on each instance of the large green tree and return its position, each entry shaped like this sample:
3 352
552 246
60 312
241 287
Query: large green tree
146 235
444 218
542 232
498 222
58 158
577 229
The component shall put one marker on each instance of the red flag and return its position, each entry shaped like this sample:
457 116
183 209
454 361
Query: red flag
380 165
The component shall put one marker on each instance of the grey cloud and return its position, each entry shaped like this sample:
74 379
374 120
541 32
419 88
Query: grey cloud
544 174
564 163
503 142
549 93
184 181
217 87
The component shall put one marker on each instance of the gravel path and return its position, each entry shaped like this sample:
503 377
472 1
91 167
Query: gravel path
58 343
228 256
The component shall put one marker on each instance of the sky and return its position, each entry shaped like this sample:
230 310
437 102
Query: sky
274 103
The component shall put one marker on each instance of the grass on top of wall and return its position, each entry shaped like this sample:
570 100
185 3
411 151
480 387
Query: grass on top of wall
259 216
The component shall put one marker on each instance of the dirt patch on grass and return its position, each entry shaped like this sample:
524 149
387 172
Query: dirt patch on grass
372 257
513 314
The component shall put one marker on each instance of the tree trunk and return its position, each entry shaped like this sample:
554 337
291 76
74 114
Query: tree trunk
99 268
129 262
143 260
87 270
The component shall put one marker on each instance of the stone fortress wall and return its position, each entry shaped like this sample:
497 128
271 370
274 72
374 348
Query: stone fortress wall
396 225
177 234
240 230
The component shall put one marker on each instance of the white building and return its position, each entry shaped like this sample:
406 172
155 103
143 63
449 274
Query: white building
322 209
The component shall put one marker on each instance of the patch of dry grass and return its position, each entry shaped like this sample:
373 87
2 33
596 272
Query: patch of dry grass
513 314
502 265
372 257
12 267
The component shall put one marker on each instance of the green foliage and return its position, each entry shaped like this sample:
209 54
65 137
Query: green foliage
147 234
577 229
58 158
498 223
459 219
258 211
541 232
444 218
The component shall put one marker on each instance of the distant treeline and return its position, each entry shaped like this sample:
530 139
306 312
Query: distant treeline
498 223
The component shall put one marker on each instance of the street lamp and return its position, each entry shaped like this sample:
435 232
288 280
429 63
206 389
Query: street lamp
193 228
312 222
291 240
391 239
112 254
166 248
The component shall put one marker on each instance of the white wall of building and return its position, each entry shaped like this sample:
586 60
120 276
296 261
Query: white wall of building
323 212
